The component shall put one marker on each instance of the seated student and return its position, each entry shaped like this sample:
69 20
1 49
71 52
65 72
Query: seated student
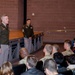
61 62
47 50
55 49
67 47
23 53
6 69
31 64
50 67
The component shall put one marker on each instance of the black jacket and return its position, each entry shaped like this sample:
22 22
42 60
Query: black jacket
4 34
28 31
33 71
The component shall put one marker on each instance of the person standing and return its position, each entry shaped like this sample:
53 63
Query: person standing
4 39
28 33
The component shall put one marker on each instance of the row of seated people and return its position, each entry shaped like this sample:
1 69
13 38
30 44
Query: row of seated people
53 63
52 52
32 68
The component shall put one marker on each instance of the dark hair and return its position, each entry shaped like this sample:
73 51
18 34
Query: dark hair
59 59
68 42
23 53
51 65
28 19
32 61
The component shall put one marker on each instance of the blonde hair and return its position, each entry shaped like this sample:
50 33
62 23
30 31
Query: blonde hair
3 16
48 48
6 69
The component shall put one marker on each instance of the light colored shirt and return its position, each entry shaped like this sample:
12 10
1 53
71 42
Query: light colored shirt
23 61
67 52
46 57
71 67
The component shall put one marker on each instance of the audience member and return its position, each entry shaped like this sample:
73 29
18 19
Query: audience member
23 53
67 47
47 50
55 49
61 62
31 64
6 69
50 67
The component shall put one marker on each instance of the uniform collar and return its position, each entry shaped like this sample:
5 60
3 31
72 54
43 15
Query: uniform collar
6 27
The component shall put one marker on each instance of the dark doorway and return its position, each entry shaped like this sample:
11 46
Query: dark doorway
25 11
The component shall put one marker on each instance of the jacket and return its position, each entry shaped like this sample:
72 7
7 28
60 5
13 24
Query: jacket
4 34
28 31
33 71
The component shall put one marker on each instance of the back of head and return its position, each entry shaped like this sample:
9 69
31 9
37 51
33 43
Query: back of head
68 42
58 57
56 47
50 65
32 61
48 48
23 52
6 69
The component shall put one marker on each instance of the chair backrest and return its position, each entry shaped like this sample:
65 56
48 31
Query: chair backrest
18 69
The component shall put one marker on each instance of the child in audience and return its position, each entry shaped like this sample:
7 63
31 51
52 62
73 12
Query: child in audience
67 47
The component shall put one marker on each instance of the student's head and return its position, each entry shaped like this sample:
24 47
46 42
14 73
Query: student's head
50 67
67 44
23 52
48 49
31 61
4 19
58 57
6 69
28 21
55 48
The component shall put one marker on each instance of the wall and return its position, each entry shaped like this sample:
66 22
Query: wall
56 18
14 9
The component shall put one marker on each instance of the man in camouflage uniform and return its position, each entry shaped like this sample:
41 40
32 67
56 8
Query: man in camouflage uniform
28 33
4 39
